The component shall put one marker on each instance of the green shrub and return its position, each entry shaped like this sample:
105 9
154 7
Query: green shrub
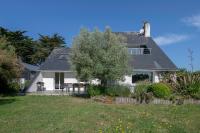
141 93
13 88
184 83
159 90
118 90
140 88
115 90
93 90
194 90
196 95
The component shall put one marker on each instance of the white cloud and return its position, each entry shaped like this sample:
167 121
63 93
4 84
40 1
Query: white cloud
170 39
193 20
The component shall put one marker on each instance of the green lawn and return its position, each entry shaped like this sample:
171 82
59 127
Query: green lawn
40 114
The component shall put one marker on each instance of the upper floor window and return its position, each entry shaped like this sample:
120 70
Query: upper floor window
139 51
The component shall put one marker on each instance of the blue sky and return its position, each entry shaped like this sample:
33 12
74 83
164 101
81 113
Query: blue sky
175 24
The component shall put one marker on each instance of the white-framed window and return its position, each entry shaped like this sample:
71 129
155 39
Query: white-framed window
139 51
142 76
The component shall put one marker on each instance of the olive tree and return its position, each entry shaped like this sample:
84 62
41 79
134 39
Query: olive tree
99 55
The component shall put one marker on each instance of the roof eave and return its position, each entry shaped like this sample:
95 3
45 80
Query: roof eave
56 70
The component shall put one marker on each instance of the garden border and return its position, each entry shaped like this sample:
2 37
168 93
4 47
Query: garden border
128 100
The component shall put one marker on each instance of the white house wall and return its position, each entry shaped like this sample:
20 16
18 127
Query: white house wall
48 79
95 81
22 83
69 77
156 77
70 80
127 80
33 86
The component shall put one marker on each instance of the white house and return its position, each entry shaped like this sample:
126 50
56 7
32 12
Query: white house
147 61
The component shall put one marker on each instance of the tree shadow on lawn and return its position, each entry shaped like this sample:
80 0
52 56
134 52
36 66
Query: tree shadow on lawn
6 101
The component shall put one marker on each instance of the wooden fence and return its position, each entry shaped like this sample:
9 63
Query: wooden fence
128 100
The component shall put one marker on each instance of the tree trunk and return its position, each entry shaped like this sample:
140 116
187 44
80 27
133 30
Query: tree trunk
103 82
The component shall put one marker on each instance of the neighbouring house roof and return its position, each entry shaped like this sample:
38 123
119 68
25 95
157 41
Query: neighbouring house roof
28 70
58 60
157 60
30 67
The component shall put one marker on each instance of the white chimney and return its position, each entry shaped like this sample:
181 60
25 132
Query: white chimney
142 31
147 29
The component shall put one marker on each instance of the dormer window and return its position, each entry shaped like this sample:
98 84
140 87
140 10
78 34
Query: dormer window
139 51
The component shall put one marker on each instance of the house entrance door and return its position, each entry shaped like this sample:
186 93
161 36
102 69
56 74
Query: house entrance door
59 81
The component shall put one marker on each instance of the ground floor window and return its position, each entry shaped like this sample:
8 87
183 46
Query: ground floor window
59 80
142 76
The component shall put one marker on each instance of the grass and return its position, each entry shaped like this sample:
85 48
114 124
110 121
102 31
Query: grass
69 114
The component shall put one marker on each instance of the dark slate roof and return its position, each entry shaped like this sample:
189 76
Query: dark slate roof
30 67
58 60
133 39
157 60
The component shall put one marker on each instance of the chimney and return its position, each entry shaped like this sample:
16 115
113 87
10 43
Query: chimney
146 29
